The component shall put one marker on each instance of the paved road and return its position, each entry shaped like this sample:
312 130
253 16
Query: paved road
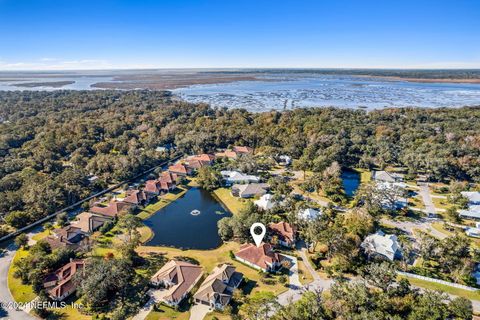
421 224
427 199
296 293
5 296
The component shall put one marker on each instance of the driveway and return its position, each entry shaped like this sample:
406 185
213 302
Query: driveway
155 296
5 296
427 199
199 311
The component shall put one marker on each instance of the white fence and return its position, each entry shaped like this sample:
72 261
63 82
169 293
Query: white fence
451 284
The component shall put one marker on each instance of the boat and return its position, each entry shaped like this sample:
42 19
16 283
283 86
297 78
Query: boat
195 212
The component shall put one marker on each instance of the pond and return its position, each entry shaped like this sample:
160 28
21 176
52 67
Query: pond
350 181
176 225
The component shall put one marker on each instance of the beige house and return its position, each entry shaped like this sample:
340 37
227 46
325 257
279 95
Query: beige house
178 278
216 291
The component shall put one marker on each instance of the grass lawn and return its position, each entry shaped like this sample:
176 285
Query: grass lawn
303 274
166 313
444 288
232 203
416 203
165 200
365 175
41 235
20 292
440 203
145 234
208 259
69 312
217 315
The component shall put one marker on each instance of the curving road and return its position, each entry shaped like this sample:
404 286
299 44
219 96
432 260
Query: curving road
5 296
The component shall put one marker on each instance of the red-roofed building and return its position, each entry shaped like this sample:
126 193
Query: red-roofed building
242 150
262 257
179 169
60 284
137 197
160 185
284 232
113 209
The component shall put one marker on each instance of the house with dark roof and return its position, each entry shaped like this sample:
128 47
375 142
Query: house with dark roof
70 237
178 278
261 258
216 290
89 222
113 209
284 233
60 284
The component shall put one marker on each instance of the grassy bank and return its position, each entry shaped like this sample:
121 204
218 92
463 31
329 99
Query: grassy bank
20 292
472 295
235 205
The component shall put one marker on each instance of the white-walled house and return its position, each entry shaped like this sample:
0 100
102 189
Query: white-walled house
236 177
381 244
309 214
265 202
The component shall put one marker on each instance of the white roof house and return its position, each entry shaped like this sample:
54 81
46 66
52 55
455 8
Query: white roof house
309 214
473 210
472 196
394 191
382 244
232 177
473 232
265 202
385 176
284 160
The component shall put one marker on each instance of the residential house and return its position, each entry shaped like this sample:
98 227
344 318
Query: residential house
137 197
473 210
391 195
172 179
204 159
261 258
383 245
384 176
178 278
473 232
235 177
216 291
242 150
60 284
309 214
88 222
284 160
284 233
265 202
70 237
180 170
250 190
113 209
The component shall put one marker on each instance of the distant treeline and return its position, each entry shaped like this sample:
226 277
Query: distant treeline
401 73
51 142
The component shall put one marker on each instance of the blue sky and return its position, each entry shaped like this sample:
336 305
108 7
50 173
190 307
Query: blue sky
99 34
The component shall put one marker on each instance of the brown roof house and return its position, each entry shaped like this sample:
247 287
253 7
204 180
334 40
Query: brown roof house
284 232
70 237
137 197
60 284
170 178
262 257
216 291
178 278
89 222
180 170
199 161
235 152
113 209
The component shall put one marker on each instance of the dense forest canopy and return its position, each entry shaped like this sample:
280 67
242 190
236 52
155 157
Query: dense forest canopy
51 142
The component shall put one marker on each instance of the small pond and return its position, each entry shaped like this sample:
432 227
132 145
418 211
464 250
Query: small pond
350 181
176 226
